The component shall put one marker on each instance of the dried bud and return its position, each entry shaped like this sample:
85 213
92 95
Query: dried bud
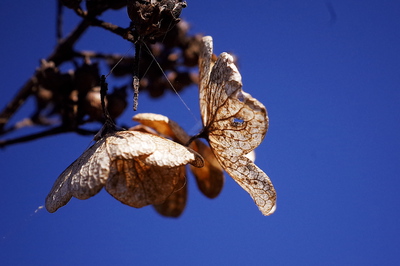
92 105
153 18
43 96
87 77
191 51
180 80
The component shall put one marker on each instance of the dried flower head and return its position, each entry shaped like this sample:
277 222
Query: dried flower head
153 18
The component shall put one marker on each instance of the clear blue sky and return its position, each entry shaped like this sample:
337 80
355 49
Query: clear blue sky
332 90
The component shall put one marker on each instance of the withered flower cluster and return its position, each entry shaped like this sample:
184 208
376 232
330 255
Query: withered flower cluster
153 19
67 100
73 95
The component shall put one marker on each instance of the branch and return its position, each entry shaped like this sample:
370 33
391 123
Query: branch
64 50
50 132
125 33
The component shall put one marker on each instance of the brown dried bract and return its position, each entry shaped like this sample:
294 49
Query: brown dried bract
209 178
234 124
174 205
136 168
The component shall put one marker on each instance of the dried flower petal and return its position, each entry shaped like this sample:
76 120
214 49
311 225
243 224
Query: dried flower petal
209 178
234 124
136 168
174 205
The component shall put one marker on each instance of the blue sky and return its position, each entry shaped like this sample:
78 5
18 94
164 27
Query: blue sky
332 151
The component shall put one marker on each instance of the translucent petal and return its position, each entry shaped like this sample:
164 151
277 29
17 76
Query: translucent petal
235 124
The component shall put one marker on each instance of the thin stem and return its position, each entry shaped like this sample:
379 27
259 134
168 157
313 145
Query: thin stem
49 132
136 79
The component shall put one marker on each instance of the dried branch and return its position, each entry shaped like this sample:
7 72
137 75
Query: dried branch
46 133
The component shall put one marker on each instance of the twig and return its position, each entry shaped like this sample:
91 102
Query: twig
50 132
123 32
64 50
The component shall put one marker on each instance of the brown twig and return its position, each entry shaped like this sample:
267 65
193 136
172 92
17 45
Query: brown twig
64 50
50 132
123 32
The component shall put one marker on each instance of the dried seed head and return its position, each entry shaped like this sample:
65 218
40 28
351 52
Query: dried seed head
152 19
